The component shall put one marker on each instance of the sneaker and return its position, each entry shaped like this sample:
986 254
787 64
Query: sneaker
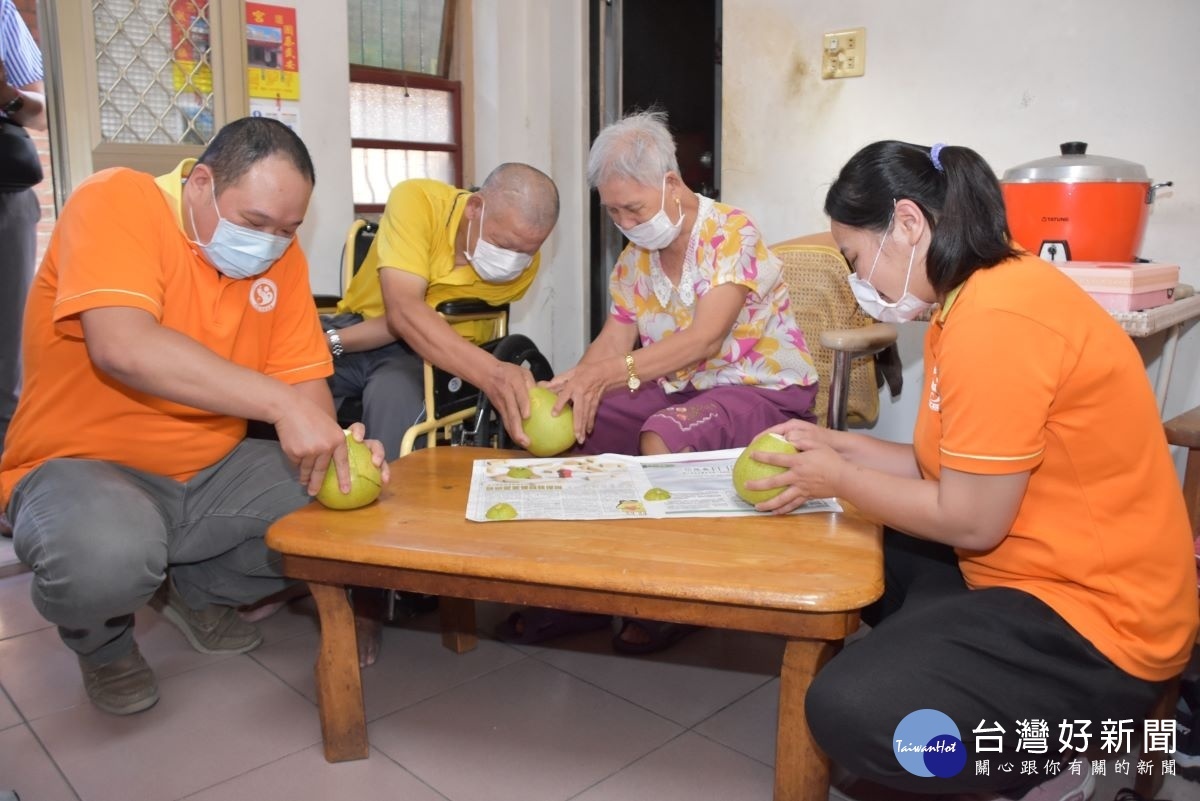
121 687
1066 786
213 629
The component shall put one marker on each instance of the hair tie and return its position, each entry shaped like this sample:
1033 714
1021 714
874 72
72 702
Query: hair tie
934 152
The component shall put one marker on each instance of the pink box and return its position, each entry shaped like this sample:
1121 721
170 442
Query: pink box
1117 301
1121 278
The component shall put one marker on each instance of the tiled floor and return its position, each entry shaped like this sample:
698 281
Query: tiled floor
571 721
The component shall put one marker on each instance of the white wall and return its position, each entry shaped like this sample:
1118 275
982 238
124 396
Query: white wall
1011 80
325 127
530 105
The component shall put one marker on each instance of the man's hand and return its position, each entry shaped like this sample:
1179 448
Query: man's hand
310 438
359 432
507 387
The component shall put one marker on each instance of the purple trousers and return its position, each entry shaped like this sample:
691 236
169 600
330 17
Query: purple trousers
692 419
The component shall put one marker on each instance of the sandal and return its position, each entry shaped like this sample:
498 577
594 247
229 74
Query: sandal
662 636
536 624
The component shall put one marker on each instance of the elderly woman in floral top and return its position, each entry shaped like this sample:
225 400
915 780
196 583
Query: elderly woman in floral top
721 357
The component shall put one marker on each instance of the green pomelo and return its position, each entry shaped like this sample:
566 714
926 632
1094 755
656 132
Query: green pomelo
366 482
748 469
501 511
520 472
656 494
548 435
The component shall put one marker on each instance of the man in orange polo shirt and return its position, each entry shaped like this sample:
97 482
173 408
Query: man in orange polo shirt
167 313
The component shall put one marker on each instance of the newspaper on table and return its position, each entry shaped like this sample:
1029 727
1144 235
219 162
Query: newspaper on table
613 487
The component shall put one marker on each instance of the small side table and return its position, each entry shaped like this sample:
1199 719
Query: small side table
1169 318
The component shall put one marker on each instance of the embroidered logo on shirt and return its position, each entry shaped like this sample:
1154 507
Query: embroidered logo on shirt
263 294
935 398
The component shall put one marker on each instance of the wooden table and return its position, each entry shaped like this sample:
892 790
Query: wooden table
802 577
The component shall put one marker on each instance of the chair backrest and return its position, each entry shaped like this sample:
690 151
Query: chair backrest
358 243
815 272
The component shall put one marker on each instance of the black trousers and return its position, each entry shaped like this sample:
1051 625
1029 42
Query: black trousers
981 657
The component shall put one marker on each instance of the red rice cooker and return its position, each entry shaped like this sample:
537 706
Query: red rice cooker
1079 207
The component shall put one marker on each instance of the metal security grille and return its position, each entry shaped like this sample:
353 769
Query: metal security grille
153 71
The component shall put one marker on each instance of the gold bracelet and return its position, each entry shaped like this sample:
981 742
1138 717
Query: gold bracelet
634 382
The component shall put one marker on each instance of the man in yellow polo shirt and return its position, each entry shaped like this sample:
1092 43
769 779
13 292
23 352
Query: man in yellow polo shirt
438 243
166 313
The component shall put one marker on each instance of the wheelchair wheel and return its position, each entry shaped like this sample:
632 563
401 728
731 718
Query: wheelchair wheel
488 428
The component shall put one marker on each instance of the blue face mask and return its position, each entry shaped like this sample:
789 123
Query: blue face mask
239 252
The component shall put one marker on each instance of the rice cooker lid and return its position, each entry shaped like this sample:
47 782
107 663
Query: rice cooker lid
1076 166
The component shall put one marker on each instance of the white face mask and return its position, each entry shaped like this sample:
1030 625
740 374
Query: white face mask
907 308
239 252
658 231
493 264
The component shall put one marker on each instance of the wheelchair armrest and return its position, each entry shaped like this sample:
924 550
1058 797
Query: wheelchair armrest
860 341
326 304
468 307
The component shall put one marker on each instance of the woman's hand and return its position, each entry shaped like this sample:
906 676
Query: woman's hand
582 386
804 435
814 472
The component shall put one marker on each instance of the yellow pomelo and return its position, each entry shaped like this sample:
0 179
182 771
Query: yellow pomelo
366 482
548 435
748 469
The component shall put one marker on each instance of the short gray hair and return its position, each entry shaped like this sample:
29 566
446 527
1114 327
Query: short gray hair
638 147
526 188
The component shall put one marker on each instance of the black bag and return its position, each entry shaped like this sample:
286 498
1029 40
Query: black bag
20 166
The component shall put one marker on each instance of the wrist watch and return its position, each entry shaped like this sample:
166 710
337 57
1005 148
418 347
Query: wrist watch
335 343
634 382
14 105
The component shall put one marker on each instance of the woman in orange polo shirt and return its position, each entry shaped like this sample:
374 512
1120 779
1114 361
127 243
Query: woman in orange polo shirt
1043 587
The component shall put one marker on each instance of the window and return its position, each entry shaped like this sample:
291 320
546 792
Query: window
405 116
402 125
153 71
141 83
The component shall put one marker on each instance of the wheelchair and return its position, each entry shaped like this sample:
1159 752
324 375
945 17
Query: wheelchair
456 413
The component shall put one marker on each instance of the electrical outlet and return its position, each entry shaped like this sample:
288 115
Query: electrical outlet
844 53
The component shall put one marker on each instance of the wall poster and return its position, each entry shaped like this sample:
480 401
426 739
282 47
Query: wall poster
272 53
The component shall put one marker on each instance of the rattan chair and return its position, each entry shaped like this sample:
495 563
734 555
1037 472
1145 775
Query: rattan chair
842 339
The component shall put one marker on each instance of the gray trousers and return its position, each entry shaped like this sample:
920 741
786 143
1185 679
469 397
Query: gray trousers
390 381
100 537
19 215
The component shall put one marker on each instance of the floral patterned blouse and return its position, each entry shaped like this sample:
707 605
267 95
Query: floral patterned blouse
764 348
